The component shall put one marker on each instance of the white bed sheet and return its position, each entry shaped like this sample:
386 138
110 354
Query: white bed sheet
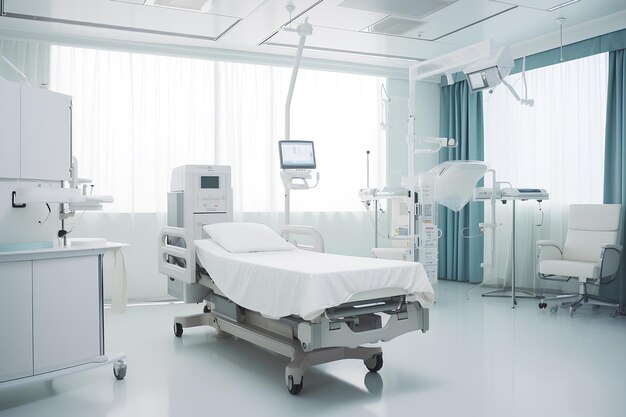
303 283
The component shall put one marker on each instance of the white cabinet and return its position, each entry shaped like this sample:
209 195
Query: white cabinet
35 133
66 312
9 129
16 348
45 134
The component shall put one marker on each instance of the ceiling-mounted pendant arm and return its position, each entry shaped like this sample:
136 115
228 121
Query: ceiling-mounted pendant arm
303 30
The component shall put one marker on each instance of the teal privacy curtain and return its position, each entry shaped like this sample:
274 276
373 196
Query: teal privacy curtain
461 118
615 155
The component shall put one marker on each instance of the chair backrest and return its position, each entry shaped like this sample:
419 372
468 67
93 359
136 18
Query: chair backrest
589 227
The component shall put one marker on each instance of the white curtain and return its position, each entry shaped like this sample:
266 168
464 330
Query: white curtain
137 116
558 145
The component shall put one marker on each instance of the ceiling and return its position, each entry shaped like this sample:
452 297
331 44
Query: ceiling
388 33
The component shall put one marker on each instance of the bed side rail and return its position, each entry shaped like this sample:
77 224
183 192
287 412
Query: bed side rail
292 229
176 256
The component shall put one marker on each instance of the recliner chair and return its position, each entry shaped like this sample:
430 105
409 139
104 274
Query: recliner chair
590 254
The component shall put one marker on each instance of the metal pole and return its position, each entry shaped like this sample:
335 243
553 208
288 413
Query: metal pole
513 260
375 223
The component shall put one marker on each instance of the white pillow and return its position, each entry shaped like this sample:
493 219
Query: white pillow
238 237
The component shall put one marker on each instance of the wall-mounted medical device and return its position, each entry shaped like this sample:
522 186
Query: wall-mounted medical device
488 73
199 195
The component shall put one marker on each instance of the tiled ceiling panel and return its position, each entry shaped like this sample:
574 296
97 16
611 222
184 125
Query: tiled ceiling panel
133 17
539 4
416 9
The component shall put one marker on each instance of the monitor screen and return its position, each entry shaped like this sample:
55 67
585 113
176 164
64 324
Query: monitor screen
296 154
476 80
209 182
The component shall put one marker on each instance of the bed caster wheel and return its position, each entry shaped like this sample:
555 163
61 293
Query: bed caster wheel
554 309
543 305
119 370
178 329
206 309
294 389
614 313
595 308
375 363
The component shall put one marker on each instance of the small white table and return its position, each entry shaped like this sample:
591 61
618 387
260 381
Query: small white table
52 313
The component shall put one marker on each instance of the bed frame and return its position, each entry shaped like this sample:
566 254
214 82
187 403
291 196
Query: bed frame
337 333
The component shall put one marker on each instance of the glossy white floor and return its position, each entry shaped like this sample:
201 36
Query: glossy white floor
480 358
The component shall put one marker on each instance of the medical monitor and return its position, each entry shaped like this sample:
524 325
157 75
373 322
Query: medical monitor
296 154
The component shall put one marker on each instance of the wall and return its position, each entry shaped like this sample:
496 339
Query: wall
20 225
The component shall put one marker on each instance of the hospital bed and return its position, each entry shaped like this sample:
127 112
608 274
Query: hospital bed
307 306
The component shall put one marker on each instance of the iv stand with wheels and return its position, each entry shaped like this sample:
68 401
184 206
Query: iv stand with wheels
513 290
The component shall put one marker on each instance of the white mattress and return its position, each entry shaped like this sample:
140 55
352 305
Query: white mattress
303 283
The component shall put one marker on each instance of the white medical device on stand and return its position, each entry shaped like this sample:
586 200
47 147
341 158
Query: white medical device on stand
297 161
199 195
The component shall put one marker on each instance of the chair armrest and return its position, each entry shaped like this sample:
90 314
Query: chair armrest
609 262
548 249
556 244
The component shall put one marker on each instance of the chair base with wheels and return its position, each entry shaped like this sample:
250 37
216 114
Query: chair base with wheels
580 299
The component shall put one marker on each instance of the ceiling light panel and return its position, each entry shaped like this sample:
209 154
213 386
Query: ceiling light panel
416 9
116 15
393 25
203 6
546 5
234 8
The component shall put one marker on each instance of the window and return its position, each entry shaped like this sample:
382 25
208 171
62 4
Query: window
558 144
137 116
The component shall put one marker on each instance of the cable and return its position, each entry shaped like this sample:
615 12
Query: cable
47 216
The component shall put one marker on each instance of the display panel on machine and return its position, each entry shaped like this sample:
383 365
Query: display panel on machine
209 197
296 154
211 182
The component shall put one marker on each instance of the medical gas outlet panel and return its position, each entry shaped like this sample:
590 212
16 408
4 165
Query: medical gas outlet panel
427 232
